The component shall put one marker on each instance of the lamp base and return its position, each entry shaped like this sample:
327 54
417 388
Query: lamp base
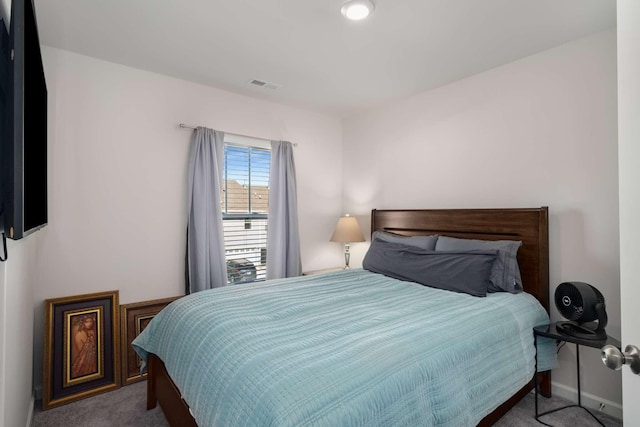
347 256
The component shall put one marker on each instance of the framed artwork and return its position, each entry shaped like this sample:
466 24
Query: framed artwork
134 318
81 347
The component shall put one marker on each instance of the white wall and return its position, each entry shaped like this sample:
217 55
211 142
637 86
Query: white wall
16 332
3 335
537 132
118 176
5 12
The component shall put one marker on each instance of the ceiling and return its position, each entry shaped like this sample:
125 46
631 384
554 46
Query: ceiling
315 57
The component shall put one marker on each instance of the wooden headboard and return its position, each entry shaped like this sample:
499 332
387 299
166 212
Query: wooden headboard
528 225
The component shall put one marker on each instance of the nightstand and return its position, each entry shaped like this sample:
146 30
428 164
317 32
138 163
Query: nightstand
550 331
322 271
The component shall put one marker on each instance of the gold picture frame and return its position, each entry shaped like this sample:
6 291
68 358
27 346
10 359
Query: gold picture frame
134 318
81 348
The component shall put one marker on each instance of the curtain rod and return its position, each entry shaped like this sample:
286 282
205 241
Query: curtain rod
185 126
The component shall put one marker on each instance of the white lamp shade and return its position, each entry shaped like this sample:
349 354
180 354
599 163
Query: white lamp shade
347 231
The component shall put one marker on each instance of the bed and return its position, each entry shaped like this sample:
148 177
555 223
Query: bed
390 382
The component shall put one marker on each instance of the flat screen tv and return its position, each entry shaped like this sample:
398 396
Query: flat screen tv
24 134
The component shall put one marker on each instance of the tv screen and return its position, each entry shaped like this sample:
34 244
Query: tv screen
6 125
25 145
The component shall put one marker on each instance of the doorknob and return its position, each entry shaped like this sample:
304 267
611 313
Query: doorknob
614 358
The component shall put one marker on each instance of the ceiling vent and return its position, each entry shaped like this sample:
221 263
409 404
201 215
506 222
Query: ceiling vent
263 84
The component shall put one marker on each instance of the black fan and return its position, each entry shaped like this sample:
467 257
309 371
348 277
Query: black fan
581 303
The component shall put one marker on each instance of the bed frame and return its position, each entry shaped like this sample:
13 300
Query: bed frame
527 225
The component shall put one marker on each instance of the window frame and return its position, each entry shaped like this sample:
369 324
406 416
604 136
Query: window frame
260 267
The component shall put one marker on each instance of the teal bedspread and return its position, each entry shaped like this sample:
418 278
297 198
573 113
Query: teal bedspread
350 348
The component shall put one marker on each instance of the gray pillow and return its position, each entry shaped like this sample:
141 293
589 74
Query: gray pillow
505 275
457 271
422 242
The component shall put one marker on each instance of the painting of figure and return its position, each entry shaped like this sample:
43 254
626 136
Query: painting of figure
84 347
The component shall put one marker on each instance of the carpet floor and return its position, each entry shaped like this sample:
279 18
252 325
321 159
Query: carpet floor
125 407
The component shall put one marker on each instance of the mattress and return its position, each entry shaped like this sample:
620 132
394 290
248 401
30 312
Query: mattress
349 348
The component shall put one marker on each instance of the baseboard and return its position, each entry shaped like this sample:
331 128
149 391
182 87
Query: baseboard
30 414
588 400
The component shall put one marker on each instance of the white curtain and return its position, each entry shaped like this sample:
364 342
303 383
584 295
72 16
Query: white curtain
283 239
206 266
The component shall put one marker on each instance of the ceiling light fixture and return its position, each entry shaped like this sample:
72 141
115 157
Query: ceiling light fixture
356 10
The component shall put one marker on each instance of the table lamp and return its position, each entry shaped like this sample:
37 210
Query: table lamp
347 231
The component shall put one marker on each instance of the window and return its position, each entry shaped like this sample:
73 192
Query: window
245 208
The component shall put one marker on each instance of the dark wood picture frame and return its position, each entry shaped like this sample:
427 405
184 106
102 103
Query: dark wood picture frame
134 318
81 347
